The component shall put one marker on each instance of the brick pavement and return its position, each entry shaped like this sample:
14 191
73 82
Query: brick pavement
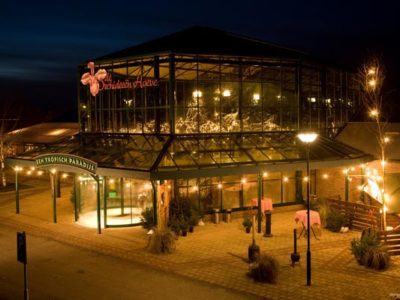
216 254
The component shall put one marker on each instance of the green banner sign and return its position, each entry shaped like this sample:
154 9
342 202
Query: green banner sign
67 160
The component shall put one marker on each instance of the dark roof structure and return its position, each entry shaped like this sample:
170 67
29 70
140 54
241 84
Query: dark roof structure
43 133
206 41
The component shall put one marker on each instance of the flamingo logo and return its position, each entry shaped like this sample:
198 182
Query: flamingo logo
93 79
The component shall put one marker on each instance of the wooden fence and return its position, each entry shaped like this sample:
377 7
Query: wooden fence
391 239
359 216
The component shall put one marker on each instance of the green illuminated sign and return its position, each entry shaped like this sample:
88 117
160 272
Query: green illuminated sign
112 194
67 160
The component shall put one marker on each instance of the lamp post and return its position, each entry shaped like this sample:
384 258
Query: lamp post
307 138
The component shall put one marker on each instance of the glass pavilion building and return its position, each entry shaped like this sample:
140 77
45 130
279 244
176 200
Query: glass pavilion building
206 116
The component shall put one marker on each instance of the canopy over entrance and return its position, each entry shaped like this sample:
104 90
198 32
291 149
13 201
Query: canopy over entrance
158 157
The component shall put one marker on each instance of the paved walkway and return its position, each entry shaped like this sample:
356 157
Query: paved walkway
217 253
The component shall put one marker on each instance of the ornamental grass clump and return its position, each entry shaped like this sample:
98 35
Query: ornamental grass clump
265 269
369 252
162 242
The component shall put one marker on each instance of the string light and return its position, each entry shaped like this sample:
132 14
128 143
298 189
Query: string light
220 185
197 94
285 179
265 174
226 93
374 113
325 176
243 181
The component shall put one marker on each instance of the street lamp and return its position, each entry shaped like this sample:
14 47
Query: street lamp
307 138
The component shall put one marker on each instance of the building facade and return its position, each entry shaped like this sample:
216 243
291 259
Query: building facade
207 117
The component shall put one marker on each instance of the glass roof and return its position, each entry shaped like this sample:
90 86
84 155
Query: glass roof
158 153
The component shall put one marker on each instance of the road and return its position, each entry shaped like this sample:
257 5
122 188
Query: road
58 271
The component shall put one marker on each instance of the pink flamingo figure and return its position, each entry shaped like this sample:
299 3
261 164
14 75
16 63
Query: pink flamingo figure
93 79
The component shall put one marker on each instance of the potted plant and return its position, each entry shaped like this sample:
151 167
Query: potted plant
147 218
174 225
247 223
183 226
193 221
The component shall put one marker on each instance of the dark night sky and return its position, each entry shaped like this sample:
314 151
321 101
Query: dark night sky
42 42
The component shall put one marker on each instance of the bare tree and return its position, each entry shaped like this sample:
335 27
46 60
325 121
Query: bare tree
372 76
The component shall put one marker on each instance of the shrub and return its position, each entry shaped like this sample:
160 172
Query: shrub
266 269
174 225
320 205
161 242
147 218
334 221
194 219
369 252
183 224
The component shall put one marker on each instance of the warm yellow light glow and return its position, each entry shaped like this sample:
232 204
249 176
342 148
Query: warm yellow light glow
195 188
29 173
32 168
128 184
56 132
387 198
147 186
345 171
80 178
265 174
350 179
325 176
352 169
256 97
169 186
53 171
40 173
243 181
383 162
305 179
360 187
84 106
220 185
371 71
307 137
226 93
372 83
285 179
386 139
18 169
111 181
65 175
197 94
374 113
